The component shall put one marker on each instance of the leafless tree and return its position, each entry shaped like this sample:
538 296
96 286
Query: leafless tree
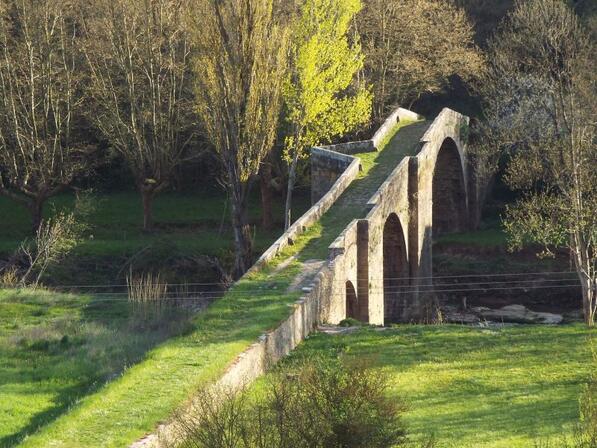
239 71
138 52
40 101
540 96
412 47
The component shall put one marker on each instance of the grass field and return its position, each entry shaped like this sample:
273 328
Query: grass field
56 348
191 222
475 388
130 406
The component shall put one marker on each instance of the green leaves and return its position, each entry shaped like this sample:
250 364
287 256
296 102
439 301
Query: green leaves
322 99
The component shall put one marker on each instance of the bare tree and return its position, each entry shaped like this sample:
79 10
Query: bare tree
138 53
412 47
239 71
40 99
540 105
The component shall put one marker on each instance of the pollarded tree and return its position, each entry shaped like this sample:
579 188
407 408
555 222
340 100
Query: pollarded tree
322 98
541 102
139 57
40 101
414 46
239 71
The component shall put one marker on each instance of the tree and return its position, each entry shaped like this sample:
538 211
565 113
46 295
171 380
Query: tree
41 99
321 97
239 71
412 47
540 107
139 57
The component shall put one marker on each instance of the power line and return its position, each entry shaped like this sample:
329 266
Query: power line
397 292
393 278
271 290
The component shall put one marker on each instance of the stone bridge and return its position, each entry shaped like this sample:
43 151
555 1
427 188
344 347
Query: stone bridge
366 248
380 267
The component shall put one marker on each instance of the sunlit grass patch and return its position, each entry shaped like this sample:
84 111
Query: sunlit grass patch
473 387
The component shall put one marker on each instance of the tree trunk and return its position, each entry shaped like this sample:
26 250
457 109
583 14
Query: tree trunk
147 195
36 207
588 299
289 190
243 246
265 185
586 274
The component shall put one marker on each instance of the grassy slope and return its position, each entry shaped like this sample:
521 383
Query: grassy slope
148 392
55 348
472 387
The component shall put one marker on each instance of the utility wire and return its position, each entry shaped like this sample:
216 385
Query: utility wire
393 278
273 293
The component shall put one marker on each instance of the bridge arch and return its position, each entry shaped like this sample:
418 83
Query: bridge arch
449 195
395 269
352 302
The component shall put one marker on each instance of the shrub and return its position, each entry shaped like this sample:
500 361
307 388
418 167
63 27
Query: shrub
332 404
350 322
320 404
54 239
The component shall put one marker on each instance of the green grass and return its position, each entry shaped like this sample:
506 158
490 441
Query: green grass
56 348
491 237
473 387
132 405
191 222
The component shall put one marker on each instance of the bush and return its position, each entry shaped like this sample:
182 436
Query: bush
321 404
55 238
350 322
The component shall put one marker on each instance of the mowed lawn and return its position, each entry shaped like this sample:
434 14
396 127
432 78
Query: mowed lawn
471 387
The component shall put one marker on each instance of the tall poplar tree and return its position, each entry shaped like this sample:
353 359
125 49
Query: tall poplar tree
322 99
239 72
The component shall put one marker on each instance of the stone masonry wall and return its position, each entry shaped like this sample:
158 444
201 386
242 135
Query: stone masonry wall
328 162
326 168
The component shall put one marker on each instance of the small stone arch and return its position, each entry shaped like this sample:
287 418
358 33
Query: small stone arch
449 212
395 269
352 302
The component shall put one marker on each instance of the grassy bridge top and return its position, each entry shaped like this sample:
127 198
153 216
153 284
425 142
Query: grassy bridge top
132 405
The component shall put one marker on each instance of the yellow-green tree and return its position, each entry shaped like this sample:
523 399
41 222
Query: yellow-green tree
321 95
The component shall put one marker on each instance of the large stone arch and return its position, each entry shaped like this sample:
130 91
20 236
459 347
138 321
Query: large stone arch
449 195
395 269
